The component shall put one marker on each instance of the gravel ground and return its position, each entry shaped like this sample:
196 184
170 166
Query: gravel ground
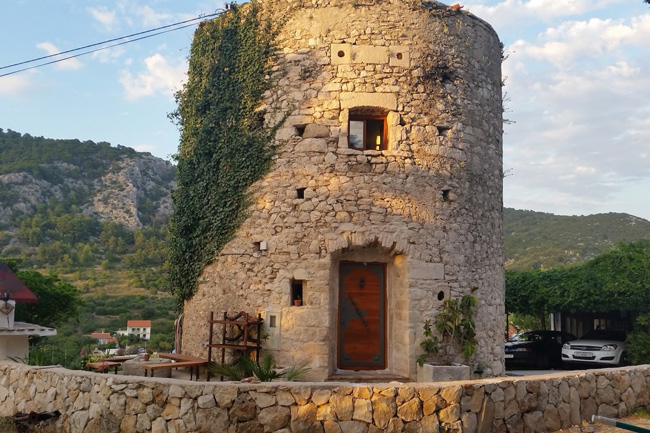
641 421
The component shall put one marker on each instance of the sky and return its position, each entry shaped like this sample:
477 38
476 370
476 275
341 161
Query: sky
577 89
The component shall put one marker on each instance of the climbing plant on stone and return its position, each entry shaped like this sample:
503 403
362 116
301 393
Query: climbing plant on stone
225 143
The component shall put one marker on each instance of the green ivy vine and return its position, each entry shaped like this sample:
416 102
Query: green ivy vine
225 144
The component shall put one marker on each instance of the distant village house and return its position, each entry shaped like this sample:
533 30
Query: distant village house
139 328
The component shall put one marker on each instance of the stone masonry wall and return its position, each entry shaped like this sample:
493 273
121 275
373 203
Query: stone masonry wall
429 206
98 403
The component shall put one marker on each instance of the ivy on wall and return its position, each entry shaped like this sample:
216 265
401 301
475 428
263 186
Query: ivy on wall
225 145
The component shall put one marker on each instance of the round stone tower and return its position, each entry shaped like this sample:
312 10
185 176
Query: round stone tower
385 196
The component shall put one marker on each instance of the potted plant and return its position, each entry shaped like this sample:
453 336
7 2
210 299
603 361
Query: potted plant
147 355
456 337
297 301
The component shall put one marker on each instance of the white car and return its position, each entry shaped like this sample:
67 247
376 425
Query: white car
604 347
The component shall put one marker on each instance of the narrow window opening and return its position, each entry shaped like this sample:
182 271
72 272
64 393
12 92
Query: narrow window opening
300 130
367 132
301 193
257 246
441 295
445 194
273 321
296 292
444 130
341 53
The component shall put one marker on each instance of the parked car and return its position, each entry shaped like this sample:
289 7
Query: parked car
537 349
604 347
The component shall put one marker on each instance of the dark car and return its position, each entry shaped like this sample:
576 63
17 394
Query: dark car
538 349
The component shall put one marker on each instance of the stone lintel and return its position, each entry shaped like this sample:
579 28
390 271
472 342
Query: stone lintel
363 99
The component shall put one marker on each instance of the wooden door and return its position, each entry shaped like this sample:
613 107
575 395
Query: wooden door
362 316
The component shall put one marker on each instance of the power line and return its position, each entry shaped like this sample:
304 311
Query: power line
201 17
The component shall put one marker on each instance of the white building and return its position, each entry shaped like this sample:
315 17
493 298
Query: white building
139 328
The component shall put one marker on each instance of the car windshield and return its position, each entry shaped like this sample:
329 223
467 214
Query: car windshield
605 334
527 336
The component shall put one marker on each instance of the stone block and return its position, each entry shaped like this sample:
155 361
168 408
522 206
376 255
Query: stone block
399 56
369 54
341 54
365 99
426 271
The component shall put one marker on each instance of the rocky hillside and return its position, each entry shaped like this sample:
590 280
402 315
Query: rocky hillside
91 211
110 184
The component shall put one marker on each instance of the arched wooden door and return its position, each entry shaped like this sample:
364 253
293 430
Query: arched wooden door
362 316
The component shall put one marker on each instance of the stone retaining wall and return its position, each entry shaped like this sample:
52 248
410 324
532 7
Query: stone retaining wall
91 402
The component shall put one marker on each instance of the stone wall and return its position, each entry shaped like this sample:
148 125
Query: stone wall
97 403
428 206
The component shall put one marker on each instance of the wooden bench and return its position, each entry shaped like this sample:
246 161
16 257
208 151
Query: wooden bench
117 358
193 366
103 366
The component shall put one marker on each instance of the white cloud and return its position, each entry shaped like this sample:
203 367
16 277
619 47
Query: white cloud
106 18
160 77
14 85
582 133
109 55
151 18
519 13
51 49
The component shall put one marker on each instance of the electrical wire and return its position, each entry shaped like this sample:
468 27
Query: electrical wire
201 17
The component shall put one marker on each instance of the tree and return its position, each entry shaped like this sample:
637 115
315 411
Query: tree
58 301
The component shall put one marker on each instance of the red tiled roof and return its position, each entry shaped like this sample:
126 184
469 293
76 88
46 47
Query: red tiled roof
139 323
10 283
100 335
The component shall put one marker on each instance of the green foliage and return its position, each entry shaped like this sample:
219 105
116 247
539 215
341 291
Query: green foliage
57 300
614 281
526 322
265 371
454 323
429 344
57 234
34 155
225 144
538 241
638 349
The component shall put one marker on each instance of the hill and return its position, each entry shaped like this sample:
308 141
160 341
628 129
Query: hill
537 240
88 209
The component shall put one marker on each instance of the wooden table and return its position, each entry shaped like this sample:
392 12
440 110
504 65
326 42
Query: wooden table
103 366
181 360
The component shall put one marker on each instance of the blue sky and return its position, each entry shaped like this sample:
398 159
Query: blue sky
577 89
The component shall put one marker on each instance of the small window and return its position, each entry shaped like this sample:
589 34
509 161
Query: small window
367 132
296 292
300 192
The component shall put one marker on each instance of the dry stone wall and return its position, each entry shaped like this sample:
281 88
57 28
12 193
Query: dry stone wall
428 206
98 403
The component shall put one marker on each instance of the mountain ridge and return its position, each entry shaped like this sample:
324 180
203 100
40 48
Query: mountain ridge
539 240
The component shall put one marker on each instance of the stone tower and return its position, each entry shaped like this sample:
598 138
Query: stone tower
385 197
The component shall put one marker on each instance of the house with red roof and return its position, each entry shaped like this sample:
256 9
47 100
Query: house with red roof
14 336
139 328
103 337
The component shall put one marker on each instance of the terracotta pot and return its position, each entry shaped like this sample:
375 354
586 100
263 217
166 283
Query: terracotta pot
146 357
297 302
